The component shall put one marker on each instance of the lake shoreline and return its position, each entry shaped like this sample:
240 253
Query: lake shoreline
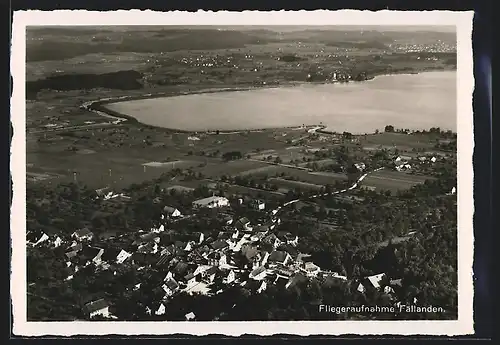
99 106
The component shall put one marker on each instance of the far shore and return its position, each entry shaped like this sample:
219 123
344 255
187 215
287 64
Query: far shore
99 106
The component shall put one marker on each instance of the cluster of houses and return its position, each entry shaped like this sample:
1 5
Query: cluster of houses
402 163
253 256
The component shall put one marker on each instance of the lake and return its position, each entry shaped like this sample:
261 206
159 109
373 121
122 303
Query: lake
414 101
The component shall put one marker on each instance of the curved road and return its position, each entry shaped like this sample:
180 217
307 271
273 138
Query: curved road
355 185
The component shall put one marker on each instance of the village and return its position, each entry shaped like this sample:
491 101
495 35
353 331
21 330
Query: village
269 257
250 249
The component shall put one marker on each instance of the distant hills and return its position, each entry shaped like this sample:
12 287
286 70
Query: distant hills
58 43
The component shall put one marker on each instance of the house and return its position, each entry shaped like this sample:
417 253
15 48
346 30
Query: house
262 287
403 158
259 273
290 249
396 283
161 228
36 237
143 259
258 204
286 237
148 238
201 251
279 257
98 307
258 236
243 224
189 246
161 309
284 272
208 276
360 166
230 277
102 191
281 281
388 290
82 234
219 245
151 248
200 269
57 242
301 257
228 220
265 258
122 256
249 252
257 286
311 269
333 278
171 212
170 286
373 281
296 279
190 316
376 279
361 288
181 268
292 239
272 240
92 254
73 250
402 166
165 259
262 228
276 220
190 279
168 276
216 259
211 202
111 254
200 237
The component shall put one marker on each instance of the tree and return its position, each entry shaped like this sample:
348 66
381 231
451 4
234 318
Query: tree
389 129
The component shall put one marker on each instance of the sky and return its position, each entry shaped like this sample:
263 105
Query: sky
281 28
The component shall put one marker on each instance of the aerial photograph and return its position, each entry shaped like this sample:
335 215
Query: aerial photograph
241 173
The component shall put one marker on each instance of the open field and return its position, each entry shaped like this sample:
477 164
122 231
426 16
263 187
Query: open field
241 190
318 178
100 169
393 180
68 67
286 185
37 177
401 140
169 165
232 168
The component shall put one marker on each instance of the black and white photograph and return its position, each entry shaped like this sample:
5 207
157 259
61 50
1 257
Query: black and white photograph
242 173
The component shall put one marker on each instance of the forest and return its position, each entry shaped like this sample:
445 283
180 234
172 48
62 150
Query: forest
410 236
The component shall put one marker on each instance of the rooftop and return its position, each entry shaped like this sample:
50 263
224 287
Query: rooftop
96 305
278 256
209 200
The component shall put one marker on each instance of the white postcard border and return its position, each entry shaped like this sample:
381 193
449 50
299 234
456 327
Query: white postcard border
465 86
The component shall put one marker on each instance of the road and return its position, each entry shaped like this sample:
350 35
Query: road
87 106
280 164
74 128
355 185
